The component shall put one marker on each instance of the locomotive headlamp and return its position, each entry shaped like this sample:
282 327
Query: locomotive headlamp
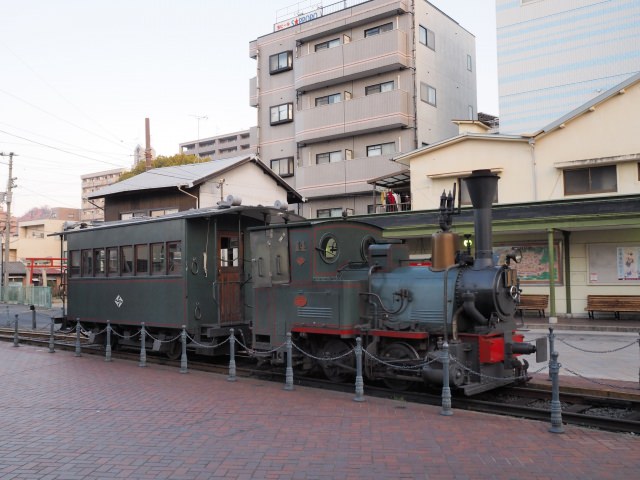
468 243
515 255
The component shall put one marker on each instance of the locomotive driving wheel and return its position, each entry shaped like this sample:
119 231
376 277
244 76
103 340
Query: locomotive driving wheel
402 355
341 369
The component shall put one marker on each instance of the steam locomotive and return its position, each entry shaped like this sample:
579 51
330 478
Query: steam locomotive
328 283
266 272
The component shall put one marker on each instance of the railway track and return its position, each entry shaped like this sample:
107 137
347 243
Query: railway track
589 409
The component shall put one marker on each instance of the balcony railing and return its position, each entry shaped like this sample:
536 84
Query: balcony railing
349 176
358 59
371 113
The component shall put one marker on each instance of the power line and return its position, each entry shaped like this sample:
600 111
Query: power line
61 119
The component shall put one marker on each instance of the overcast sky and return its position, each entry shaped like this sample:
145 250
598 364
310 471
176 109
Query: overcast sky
79 77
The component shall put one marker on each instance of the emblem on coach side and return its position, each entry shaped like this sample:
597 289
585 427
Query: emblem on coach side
119 301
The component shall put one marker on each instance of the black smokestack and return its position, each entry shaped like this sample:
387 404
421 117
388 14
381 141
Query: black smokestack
482 185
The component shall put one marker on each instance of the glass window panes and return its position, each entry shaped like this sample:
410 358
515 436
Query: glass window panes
157 259
126 260
142 259
87 263
75 263
427 37
112 261
99 261
281 61
381 149
329 157
281 113
174 258
328 99
427 94
282 166
379 88
328 44
379 29
590 180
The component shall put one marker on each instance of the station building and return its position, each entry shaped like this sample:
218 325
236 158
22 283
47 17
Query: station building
569 196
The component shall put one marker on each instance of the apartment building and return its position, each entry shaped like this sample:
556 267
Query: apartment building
223 146
93 209
342 88
555 55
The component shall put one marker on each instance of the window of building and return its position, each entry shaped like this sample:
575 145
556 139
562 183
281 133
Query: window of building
329 157
328 44
329 212
163 211
427 37
283 166
469 63
379 29
590 180
379 88
282 113
281 62
327 99
381 149
470 112
427 94
157 259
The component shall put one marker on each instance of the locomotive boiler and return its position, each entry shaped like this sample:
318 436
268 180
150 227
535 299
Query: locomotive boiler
328 282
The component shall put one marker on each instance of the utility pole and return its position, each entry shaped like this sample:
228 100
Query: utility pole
7 232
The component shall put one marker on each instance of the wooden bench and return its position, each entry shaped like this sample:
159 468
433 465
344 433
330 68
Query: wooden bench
537 303
612 303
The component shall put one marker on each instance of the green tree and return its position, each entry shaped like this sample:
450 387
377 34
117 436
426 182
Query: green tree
159 162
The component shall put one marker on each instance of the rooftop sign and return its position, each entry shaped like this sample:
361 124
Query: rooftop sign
297 20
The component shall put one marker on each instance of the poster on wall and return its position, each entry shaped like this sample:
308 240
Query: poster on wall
534 267
627 260
613 264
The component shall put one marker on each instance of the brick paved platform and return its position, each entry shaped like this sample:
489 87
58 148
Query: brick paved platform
66 417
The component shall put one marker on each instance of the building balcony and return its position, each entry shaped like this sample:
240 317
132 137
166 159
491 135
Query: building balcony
362 58
340 178
372 113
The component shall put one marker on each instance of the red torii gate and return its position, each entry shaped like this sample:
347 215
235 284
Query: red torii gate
48 265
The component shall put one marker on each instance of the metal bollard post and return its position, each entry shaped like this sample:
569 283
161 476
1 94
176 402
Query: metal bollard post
143 351
288 384
52 340
232 359
446 390
107 356
183 358
16 338
552 349
33 317
78 352
359 381
639 362
556 407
